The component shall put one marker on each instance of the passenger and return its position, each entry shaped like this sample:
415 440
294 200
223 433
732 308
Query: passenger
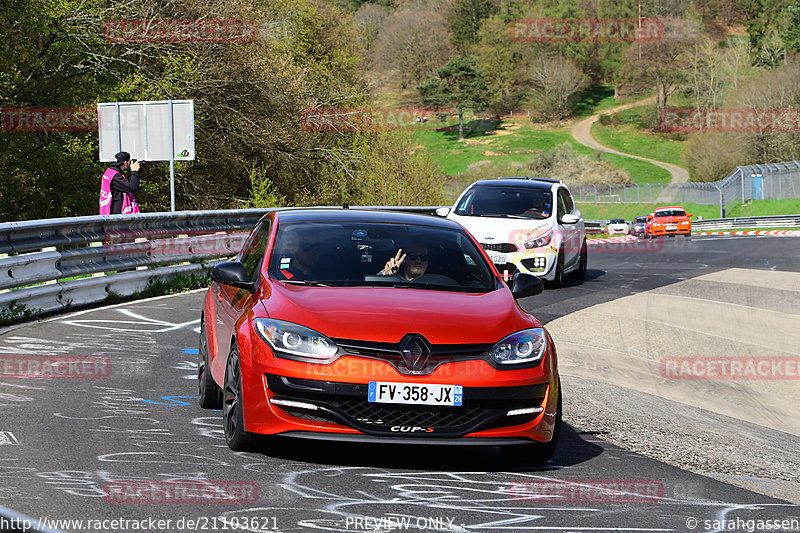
410 265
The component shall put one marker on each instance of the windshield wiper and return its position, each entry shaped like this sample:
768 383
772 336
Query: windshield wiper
306 282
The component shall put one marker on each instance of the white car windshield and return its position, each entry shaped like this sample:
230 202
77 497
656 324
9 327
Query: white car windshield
506 202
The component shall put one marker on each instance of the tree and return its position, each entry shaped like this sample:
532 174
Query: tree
459 84
411 45
712 155
661 64
467 17
556 82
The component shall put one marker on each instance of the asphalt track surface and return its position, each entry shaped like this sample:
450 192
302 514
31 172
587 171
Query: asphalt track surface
64 443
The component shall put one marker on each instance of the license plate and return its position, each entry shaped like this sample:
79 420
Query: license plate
672 226
498 259
415 393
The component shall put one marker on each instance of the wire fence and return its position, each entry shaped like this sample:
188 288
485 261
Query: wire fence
770 181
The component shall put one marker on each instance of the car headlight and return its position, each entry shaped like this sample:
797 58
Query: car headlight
656 225
524 346
538 242
294 339
684 222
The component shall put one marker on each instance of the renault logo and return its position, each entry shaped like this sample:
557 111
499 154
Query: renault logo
415 351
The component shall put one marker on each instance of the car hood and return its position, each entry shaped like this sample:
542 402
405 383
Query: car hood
387 314
500 230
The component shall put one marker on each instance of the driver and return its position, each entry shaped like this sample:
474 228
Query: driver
299 257
410 265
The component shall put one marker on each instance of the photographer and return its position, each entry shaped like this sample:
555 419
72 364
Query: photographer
116 191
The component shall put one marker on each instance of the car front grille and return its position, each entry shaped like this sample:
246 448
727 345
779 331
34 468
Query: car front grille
487 409
503 248
408 415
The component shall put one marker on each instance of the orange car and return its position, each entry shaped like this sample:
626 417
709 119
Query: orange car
673 220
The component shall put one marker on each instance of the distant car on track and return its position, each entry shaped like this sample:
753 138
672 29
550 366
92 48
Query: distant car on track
672 220
618 226
528 225
638 227
300 336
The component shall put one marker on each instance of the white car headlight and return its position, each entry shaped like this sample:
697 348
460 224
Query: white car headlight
684 222
524 346
540 241
294 339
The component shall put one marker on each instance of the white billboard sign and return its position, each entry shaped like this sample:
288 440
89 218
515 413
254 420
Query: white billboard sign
149 131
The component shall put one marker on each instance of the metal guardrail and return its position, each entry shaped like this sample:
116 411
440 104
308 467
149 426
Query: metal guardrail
37 256
777 221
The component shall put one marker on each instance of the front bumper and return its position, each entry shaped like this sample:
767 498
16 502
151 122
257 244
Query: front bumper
680 230
338 410
539 262
346 404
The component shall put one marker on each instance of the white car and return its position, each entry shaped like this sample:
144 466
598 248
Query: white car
618 226
528 225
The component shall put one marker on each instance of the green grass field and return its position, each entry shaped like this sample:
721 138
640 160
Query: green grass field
631 133
487 140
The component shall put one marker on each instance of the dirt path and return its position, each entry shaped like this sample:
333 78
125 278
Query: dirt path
582 132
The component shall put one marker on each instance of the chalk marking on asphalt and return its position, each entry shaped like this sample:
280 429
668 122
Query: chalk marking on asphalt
8 439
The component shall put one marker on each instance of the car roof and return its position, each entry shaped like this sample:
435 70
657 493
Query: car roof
364 215
670 207
533 183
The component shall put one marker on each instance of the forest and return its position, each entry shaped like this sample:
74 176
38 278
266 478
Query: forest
470 56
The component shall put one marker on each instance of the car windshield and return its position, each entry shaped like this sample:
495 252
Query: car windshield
353 254
671 213
507 202
641 219
617 221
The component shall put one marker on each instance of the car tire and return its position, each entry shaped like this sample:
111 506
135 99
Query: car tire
209 393
232 410
540 452
583 262
558 279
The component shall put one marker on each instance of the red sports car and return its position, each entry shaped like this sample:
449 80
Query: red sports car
671 220
383 327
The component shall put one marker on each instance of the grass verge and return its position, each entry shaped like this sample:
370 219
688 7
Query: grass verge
518 142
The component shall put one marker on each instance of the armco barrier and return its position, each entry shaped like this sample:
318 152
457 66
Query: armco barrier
36 256
777 221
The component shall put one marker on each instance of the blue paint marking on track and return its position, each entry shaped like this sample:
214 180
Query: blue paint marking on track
191 350
171 399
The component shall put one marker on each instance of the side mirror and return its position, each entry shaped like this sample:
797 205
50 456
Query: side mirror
524 285
689 215
443 211
569 218
232 273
